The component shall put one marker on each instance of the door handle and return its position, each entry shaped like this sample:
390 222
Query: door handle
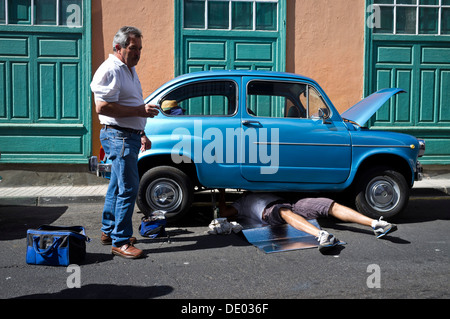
251 122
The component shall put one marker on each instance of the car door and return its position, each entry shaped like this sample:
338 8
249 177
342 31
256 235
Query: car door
285 140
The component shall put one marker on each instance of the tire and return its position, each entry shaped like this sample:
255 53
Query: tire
382 192
165 188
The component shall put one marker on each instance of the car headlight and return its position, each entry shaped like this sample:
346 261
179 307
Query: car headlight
421 147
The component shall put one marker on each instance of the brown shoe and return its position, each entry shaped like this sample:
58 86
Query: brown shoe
127 251
107 240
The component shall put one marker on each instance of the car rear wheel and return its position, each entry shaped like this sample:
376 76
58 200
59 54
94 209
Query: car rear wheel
165 188
382 192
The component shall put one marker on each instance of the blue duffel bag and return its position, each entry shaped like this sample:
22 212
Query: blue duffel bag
56 245
152 228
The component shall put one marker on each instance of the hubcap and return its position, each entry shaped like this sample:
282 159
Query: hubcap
383 194
164 194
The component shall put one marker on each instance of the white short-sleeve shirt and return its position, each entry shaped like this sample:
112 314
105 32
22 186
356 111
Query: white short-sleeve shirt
115 82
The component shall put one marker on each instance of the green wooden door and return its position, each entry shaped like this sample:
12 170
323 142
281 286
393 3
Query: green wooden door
45 59
410 49
229 34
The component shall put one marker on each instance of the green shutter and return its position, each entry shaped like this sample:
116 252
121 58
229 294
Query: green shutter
45 103
420 64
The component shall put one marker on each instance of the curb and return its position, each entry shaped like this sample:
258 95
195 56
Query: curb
50 200
431 192
441 191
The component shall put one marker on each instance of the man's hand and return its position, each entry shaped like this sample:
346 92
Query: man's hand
146 144
151 110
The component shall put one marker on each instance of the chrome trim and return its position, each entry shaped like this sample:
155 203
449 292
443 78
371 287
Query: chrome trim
343 145
301 144
383 146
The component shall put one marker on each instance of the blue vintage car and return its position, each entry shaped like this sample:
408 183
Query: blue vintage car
269 131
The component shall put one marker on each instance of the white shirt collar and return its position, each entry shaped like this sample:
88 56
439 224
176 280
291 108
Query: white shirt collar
117 61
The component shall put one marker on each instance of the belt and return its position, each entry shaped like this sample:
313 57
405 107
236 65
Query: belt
125 129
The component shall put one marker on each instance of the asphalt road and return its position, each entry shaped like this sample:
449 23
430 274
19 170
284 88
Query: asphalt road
411 263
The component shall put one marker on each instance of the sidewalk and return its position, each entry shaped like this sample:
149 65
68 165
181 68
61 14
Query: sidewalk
42 195
440 184
436 185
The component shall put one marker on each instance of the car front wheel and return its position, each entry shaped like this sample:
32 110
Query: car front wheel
382 192
165 188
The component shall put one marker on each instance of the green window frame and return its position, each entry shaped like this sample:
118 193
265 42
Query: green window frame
250 15
413 17
207 36
67 13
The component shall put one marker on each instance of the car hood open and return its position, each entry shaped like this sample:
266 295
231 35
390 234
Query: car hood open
361 112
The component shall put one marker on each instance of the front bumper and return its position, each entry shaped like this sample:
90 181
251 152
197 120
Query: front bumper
418 174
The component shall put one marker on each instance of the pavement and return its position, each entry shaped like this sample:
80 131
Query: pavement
55 194
193 265
433 184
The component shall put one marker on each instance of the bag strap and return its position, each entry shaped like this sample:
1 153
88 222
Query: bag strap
51 247
77 229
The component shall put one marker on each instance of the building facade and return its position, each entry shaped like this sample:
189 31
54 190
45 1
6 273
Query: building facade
49 50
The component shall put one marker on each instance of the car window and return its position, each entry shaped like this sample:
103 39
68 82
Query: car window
208 98
316 103
275 99
284 100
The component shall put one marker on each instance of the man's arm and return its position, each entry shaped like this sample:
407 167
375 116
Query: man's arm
116 110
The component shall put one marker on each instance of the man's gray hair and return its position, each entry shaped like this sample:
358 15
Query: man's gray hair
122 36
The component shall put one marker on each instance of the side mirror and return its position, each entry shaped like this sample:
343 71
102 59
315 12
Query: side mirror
324 117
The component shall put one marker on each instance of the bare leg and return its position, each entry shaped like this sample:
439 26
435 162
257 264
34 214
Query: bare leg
347 214
298 222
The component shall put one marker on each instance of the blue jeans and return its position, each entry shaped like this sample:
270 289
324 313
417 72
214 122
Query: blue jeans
122 149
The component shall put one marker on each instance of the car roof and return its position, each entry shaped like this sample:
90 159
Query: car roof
258 73
225 73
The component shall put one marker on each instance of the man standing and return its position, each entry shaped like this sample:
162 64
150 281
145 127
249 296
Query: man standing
122 113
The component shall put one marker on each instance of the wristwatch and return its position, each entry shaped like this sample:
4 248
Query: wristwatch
142 133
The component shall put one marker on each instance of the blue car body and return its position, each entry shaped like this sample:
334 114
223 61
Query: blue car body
325 152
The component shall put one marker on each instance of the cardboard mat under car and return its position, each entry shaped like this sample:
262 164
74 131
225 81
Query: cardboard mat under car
272 239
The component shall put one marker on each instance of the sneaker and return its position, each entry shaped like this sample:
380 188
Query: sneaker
381 227
326 241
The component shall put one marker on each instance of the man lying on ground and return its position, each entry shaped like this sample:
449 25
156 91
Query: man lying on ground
266 208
